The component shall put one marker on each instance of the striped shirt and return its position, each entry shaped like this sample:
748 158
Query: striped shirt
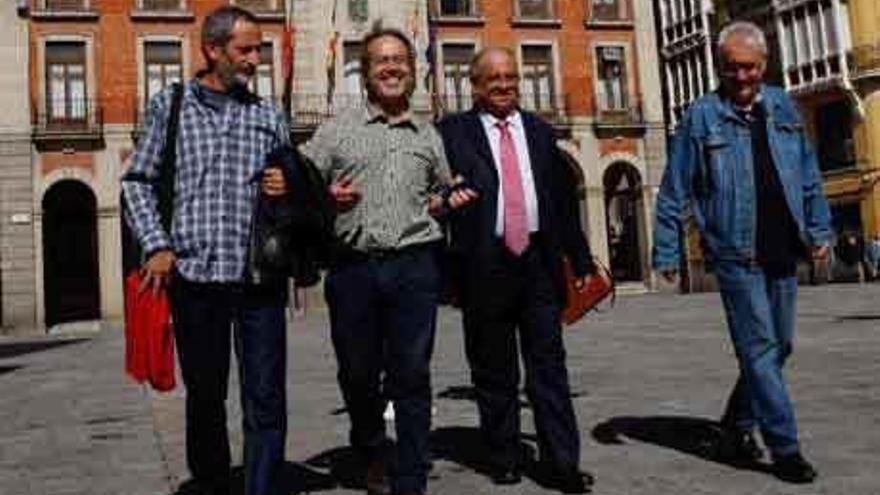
222 145
395 166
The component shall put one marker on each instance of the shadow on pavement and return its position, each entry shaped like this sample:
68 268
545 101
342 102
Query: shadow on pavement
9 369
464 446
469 394
294 478
14 349
345 467
843 319
693 436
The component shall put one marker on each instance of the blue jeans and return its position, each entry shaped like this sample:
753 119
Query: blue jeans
383 312
760 310
204 318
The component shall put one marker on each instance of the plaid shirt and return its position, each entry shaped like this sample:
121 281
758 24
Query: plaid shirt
222 145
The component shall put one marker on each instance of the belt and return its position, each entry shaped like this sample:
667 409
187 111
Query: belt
351 255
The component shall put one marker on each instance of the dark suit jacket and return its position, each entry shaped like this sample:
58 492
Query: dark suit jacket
472 230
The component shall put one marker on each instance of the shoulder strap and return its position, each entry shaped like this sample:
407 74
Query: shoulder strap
167 167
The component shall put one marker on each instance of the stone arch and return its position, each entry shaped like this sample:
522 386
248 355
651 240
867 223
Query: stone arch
625 220
71 285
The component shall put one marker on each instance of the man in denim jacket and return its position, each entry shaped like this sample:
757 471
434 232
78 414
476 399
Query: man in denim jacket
741 162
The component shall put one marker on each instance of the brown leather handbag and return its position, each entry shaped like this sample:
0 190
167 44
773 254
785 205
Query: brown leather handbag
578 302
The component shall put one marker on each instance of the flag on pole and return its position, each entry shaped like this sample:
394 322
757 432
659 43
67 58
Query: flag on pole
287 43
331 55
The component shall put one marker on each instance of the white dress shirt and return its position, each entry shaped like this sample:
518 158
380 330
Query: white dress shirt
518 132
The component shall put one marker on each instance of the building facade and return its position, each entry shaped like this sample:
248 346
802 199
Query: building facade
93 66
588 67
17 283
824 53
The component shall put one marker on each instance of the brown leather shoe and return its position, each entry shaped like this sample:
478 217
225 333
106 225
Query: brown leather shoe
377 478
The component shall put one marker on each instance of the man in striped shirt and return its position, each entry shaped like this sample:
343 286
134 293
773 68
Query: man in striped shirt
224 135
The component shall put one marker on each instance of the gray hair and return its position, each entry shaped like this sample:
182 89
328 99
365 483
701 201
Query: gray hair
748 30
219 24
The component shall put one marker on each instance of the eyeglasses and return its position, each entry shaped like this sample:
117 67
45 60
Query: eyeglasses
731 69
390 59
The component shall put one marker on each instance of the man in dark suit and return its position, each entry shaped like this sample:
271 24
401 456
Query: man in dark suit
509 246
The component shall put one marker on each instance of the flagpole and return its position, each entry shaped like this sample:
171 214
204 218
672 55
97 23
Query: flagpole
287 44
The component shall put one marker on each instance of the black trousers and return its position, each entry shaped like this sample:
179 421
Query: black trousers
383 311
503 299
205 316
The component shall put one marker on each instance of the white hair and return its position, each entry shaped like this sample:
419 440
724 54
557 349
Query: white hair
748 30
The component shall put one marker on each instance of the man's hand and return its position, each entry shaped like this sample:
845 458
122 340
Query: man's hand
461 195
345 194
669 275
157 271
819 253
273 183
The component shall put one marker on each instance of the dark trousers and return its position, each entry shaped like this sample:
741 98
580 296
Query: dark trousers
383 311
204 318
505 295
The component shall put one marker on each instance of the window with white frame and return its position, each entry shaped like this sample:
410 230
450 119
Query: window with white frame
65 5
161 4
606 10
66 97
456 75
458 8
263 82
535 9
352 82
256 5
537 82
358 10
611 68
815 40
163 66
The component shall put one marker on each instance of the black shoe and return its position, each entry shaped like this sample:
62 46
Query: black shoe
736 445
564 480
376 479
506 476
793 468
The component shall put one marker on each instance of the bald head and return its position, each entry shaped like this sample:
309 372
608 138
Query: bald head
495 81
488 56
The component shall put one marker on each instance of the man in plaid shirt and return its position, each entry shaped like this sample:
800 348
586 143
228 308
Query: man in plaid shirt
224 136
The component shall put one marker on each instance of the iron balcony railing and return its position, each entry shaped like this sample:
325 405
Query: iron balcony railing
70 120
619 111
455 9
866 60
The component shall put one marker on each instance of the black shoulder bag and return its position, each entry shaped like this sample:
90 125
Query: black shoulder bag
132 253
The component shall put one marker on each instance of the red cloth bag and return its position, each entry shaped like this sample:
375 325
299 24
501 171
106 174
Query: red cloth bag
149 339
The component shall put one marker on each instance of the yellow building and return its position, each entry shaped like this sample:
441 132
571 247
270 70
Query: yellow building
865 28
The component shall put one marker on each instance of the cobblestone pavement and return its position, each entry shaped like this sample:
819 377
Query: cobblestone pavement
649 377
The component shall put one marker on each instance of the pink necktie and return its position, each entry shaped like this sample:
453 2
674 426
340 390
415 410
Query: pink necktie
516 234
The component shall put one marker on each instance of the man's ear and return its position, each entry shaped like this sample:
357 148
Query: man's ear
211 53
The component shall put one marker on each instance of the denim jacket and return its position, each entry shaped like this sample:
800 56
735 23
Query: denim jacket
711 175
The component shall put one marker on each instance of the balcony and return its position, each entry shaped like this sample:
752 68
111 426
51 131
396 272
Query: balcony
619 117
264 10
64 10
607 16
866 61
80 125
161 10
456 12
